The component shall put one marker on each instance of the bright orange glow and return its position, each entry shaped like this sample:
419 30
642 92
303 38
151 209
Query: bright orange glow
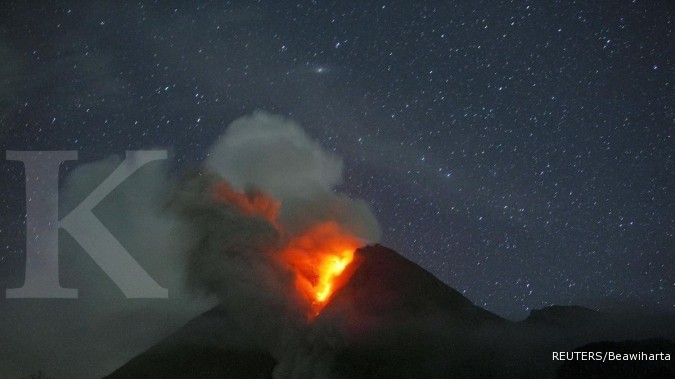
318 256
334 266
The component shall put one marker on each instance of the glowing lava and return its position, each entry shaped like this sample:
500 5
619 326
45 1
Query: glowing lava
333 267
318 256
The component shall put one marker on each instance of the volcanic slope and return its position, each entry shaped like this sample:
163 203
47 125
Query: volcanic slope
389 304
391 319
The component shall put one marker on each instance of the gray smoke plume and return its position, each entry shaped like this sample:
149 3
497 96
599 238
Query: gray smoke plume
210 247
275 155
231 251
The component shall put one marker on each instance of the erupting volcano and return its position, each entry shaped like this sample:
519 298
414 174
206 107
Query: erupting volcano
318 257
302 290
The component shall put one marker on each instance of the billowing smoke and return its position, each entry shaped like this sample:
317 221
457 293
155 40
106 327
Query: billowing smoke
275 155
246 246
265 229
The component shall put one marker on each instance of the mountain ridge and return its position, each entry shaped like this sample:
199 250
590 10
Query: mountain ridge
391 318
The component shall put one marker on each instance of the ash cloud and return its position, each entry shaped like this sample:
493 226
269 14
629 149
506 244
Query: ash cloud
258 155
102 328
231 252
188 244
275 155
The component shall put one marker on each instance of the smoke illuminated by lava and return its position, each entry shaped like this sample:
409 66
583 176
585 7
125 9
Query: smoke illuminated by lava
251 204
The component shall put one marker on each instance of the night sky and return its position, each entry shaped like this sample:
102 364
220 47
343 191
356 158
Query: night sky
521 151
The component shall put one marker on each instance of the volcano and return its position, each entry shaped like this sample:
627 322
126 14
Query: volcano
392 319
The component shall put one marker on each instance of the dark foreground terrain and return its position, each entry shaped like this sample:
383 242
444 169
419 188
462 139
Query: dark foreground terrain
395 320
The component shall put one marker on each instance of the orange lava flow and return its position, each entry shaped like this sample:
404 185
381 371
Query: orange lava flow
319 257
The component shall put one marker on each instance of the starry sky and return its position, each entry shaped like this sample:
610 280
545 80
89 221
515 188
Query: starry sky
520 151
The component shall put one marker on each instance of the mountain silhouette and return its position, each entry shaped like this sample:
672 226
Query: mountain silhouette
393 319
